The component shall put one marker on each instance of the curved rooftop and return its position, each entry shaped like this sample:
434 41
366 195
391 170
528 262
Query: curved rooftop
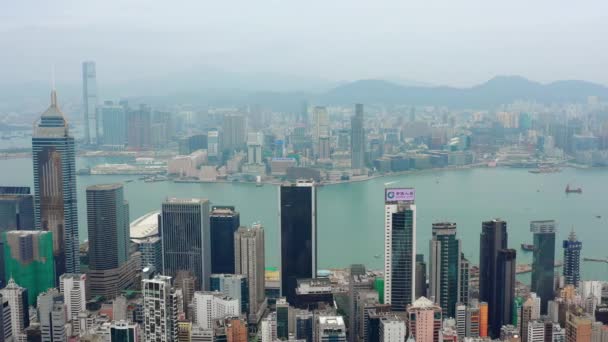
145 226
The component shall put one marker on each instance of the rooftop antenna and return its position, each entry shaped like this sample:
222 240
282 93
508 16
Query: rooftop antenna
53 92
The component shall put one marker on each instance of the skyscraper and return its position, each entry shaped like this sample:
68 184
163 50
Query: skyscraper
186 238
282 325
572 260
234 286
445 250
114 123
73 288
160 302
424 320
249 261
233 128
108 224
504 291
52 316
28 259
465 266
223 222
357 139
298 229
18 302
55 200
139 128
543 264
16 208
399 247
420 276
89 101
493 239
320 128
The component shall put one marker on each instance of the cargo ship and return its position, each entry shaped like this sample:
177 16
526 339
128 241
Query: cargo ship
570 190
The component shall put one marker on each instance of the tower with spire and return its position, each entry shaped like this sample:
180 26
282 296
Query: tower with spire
572 260
54 163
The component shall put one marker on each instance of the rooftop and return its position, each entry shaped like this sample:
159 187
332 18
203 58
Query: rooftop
145 226
185 200
99 187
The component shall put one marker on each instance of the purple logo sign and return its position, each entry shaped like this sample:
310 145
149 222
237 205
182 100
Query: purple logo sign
401 194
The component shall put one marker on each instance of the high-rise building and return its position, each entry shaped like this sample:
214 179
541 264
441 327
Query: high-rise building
255 141
420 276
249 261
223 223
89 101
282 319
465 266
186 238
233 128
236 330
232 285
399 248
572 260
139 128
73 288
505 290
473 321
191 143
111 270
357 139
209 306
543 264
320 128
151 252
392 329
304 325
483 319
493 239
28 259
160 302
18 302
214 147
123 331
52 316
424 320
114 123
16 209
444 270
55 201
269 328
298 235
461 320
530 311
330 329
324 148
578 327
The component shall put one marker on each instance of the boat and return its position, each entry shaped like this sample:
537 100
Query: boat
377 256
570 190
527 247
258 181
598 216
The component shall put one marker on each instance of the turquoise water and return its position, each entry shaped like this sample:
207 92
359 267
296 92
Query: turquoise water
350 216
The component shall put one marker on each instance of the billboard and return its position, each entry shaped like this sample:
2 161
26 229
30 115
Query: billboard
399 194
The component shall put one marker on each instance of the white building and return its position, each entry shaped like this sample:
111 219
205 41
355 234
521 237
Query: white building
213 305
392 329
13 293
73 288
255 141
269 328
160 302
536 331
330 328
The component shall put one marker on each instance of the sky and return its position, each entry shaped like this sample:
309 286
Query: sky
458 43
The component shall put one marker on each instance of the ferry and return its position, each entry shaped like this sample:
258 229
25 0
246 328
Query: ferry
527 247
570 190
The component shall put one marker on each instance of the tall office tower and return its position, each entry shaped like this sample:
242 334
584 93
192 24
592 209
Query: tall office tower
282 319
392 329
320 128
249 261
223 223
359 284
28 259
505 290
191 143
209 306
255 141
399 248
110 268
52 316
357 139
465 267
124 331
6 332
302 116
73 288
232 285
324 148
473 320
114 125
298 229
493 238
420 276
578 326
424 320
89 101
530 312
444 270
16 209
55 198
139 128
572 260
214 149
543 264
186 238
330 329
233 128
18 302
151 252
160 302
304 325
461 320
185 281
483 319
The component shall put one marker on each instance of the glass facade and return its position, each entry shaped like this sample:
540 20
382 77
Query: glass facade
543 263
224 222
445 267
401 259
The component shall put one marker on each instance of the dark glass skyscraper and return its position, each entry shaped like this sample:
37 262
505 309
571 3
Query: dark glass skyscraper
357 138
504 291
444 268
186 238
16 208
493 239
399 248
543 263
298 229
224 221
572 260
55 200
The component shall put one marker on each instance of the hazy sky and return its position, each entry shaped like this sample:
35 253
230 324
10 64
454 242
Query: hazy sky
460 42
